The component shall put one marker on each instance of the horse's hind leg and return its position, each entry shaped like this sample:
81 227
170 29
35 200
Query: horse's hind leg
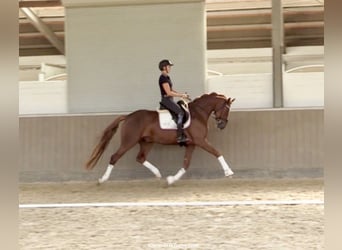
145 148
124 147
187 158
114 158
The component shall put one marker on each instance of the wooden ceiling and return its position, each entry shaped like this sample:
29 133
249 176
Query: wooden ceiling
230 24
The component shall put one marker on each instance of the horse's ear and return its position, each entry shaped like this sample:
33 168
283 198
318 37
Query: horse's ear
230 100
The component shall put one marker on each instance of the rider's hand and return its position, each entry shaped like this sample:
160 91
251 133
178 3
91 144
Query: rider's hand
186 96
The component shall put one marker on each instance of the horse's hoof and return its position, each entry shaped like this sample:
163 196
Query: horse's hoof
99 182
228 173
170 180
165 185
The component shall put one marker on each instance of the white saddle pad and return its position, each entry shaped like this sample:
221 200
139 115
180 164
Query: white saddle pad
166 121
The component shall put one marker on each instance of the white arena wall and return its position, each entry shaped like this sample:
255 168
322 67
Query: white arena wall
255 90
251 91
259 141
43 97
273 143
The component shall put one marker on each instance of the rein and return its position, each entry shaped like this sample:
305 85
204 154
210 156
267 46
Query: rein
205 111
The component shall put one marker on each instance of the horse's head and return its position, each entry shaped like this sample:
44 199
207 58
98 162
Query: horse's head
222 111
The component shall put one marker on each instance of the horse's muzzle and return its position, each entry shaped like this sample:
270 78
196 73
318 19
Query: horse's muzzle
221 124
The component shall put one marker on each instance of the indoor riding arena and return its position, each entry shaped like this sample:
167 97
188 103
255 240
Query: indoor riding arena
84 63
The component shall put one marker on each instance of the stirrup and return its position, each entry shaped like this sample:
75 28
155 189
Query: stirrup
182 140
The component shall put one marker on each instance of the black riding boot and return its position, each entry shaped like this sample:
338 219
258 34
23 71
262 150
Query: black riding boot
181 138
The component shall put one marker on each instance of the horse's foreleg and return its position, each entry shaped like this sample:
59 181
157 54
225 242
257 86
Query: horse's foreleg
145 147
207 147
186 163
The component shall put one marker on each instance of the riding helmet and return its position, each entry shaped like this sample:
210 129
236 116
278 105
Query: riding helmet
164 63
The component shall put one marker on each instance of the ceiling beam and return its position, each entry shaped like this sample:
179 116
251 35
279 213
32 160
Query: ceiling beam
44 29
40 3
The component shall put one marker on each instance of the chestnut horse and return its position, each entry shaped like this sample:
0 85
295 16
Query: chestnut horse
142 126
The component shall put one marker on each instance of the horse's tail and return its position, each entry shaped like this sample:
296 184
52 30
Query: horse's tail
107 135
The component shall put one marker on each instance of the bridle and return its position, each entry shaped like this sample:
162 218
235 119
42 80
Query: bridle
224 107
220 120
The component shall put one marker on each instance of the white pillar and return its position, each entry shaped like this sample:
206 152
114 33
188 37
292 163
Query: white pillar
277 53
113 49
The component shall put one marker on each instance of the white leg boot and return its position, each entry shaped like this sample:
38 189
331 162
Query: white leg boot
152 168
172 179
226 168
106 175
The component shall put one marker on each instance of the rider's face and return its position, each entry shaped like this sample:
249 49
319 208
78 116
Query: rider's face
168 68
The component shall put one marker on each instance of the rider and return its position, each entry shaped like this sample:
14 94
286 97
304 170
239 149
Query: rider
167 94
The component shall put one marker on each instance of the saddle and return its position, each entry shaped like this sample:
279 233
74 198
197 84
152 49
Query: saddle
168 119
